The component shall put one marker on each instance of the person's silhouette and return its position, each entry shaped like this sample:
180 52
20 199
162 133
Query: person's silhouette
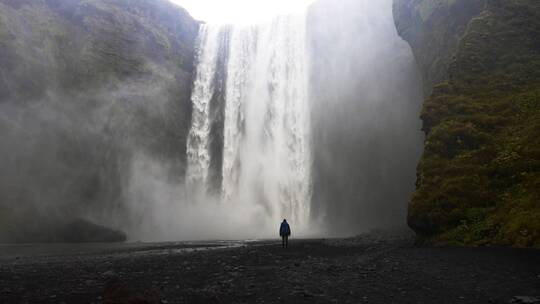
285 232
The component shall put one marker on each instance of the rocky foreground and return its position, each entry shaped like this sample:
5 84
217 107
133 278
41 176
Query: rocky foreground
368 269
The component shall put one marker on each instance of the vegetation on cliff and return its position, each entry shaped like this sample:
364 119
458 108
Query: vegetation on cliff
85 86
479 179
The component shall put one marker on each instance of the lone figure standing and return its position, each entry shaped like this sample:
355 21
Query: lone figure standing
285 232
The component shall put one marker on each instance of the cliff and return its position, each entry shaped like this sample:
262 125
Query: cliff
478 180
86 86
434 28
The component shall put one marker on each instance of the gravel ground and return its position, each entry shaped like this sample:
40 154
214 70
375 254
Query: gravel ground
367 269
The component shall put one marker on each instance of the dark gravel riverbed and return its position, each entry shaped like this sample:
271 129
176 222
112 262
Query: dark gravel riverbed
362 270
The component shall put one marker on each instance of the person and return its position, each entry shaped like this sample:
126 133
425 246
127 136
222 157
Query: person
285 232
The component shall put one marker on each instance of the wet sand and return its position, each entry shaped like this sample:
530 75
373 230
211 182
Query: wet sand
368 269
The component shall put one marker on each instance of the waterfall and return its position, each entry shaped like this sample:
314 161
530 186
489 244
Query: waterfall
266 126
198 151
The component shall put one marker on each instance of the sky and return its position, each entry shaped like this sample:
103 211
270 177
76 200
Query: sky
240 11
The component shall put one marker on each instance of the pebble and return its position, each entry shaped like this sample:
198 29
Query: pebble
108 273
524 300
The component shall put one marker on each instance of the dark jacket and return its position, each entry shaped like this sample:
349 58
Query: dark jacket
285 229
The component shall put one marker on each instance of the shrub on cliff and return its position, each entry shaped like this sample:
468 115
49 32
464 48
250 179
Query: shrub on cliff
478 181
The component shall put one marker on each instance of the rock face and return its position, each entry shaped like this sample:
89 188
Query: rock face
434 28
479 179
86 87
45 230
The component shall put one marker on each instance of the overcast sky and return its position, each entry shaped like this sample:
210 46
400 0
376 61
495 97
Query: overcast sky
240 11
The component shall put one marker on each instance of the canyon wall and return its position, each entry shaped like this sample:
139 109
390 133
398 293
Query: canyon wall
86 87
478 180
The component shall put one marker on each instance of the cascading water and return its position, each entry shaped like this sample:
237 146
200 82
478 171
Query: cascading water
266 132
198 151
311 117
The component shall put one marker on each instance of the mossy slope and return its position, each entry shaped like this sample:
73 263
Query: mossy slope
479 179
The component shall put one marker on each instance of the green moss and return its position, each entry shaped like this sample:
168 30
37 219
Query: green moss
478 181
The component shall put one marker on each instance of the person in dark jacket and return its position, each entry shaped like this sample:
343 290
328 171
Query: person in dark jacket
285 232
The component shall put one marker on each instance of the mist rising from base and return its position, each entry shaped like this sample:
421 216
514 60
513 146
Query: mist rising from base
311 117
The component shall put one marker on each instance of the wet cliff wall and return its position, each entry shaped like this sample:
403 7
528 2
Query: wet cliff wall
86 87
479 177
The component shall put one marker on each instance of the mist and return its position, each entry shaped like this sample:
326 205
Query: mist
114 150
269 151
330 140
366 98
72 156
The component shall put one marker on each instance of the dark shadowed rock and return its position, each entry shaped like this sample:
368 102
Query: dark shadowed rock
44 230
84 231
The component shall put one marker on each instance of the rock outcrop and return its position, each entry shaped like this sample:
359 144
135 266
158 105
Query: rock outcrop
434 28
85 87
479 178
